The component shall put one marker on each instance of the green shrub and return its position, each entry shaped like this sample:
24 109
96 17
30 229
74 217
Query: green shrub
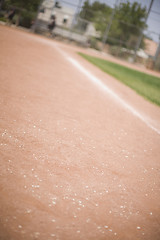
26 19
3 19
94 43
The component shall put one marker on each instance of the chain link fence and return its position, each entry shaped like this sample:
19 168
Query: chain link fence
73 24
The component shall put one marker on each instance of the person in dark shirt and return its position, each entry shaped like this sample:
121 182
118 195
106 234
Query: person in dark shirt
11 15
52 25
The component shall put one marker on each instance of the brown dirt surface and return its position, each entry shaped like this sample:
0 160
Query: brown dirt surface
75 163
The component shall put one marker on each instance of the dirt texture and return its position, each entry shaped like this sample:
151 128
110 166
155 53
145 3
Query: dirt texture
75 163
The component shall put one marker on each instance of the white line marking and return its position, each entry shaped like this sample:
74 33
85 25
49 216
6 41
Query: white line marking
103 87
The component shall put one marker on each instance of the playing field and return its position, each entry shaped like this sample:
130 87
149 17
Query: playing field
79 150
144 84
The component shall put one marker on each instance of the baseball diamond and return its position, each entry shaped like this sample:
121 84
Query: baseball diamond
79 150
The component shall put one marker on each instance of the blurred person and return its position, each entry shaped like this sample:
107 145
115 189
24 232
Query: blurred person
52 25
10 16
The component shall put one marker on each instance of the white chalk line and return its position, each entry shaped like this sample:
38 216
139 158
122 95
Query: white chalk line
101 85
105 88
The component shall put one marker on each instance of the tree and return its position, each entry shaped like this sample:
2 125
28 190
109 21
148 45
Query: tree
87 12
128 22
30 5
25 11
99 13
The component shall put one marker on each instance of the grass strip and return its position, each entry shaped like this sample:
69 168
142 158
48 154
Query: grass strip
144 84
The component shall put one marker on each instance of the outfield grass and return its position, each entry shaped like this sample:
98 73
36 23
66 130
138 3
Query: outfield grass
146 85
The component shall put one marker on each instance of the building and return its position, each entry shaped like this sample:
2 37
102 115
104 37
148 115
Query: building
151 47
68 24
152 50
64 15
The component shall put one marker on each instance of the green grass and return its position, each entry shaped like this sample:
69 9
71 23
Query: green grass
146 85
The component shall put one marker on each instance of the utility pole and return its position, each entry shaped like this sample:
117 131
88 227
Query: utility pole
79 5
141 34
109 26
76 13
77 10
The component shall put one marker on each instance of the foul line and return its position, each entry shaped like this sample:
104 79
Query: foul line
103 87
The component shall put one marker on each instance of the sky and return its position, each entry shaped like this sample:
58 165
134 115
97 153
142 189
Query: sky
153 21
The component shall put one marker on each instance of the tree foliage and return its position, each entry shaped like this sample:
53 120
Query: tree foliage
99 13
129 21
25 11
127 24
30 5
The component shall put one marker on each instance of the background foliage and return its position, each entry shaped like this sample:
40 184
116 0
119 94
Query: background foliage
127 24
25 11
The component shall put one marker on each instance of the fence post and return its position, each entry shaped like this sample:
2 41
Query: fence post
36 21
74 17
157 53
109 26
141 33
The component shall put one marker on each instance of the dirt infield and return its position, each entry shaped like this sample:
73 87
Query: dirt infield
76 163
